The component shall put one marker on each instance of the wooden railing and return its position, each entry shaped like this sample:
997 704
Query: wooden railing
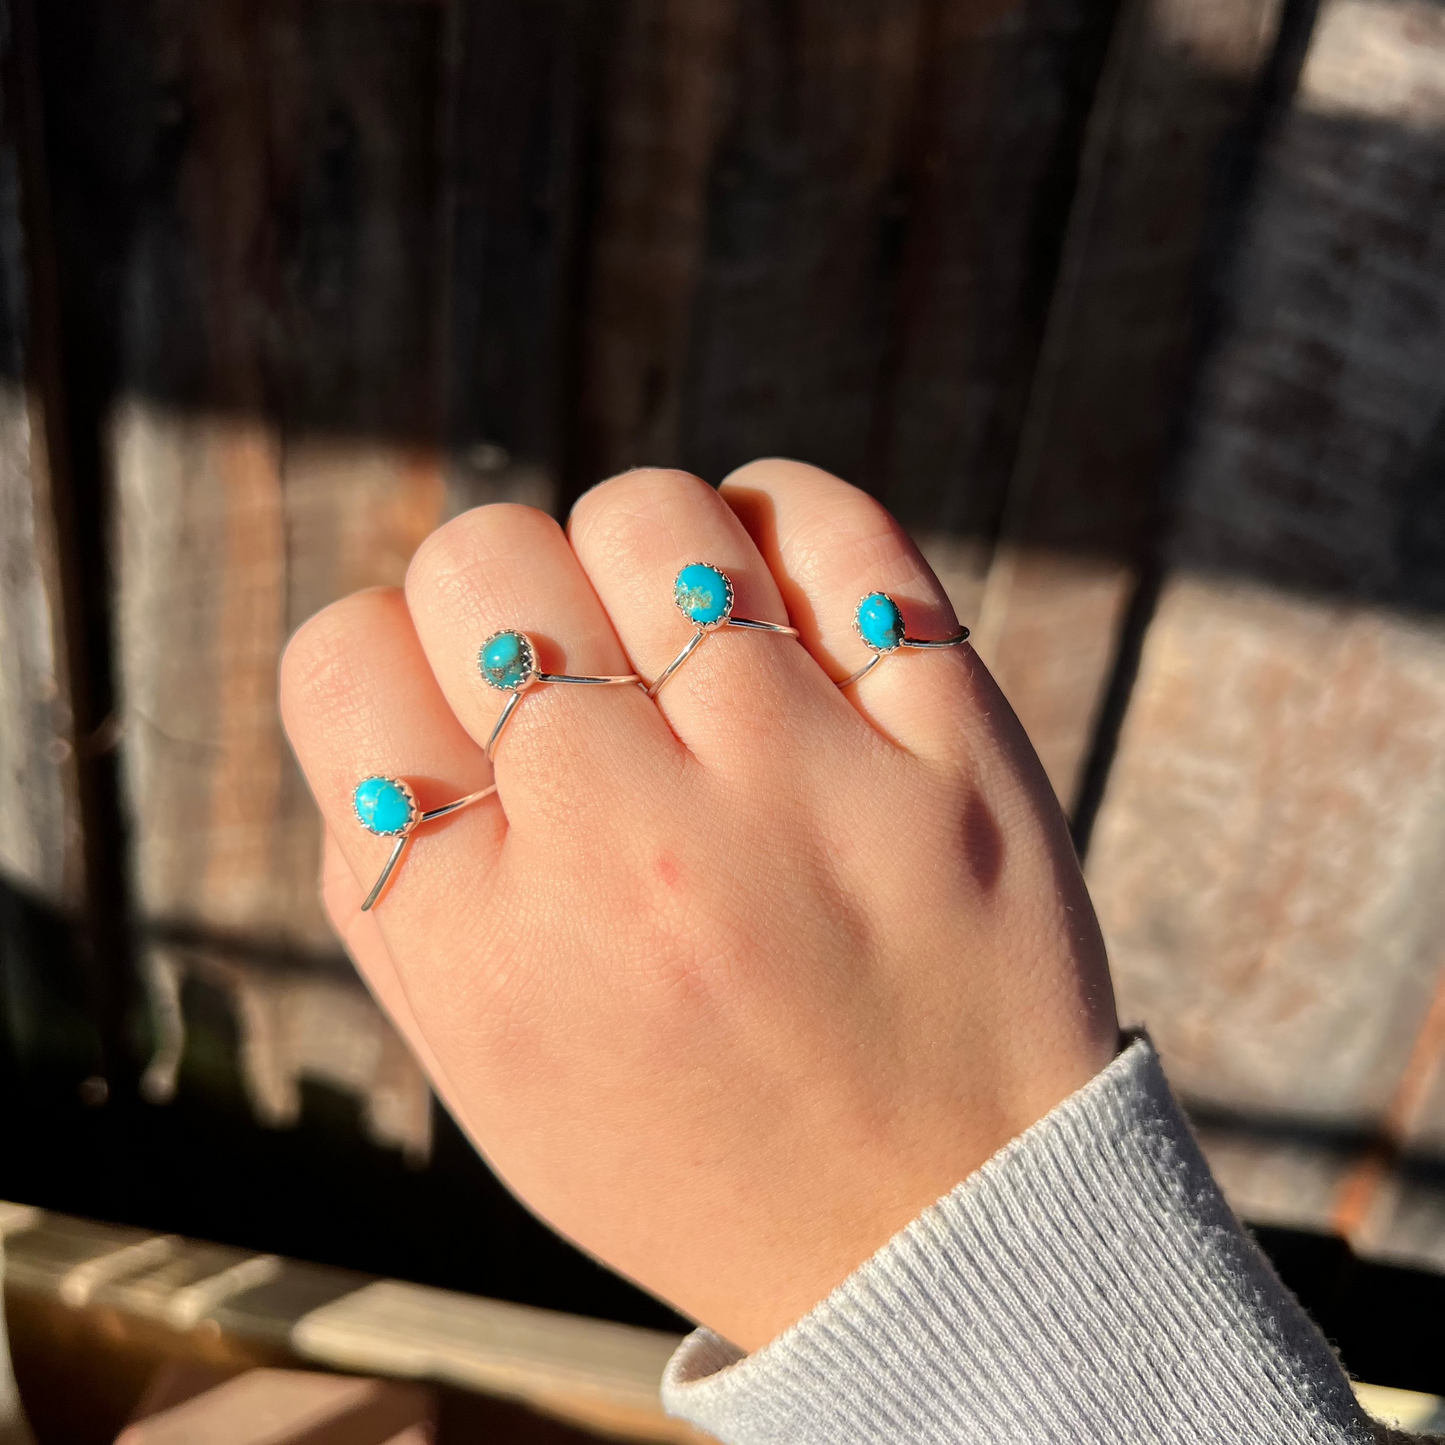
96 1312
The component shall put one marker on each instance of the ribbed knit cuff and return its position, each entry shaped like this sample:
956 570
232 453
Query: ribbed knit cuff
1088 1284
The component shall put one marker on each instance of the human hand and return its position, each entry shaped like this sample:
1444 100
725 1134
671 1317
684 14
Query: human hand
729 985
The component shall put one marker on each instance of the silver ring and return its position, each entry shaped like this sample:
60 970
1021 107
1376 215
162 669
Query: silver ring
879 623
387 807
508 661
704 595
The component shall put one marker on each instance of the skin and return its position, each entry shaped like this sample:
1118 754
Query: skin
728 985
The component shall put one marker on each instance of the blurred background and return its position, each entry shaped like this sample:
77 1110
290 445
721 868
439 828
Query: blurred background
1133 310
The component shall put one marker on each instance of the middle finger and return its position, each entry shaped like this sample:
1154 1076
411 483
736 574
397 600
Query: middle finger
633 535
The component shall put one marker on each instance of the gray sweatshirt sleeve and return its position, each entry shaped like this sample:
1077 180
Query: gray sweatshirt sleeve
1088 1284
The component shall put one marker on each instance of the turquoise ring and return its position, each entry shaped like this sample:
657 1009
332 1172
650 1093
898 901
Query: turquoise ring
704 595
387 808
508 662
878 621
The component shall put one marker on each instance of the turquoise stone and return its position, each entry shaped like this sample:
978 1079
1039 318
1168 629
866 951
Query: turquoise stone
506 660
382 805
880 622
702 593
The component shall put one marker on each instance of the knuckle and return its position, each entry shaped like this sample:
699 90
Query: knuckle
784 474
613 510
457 548
861 524
318 665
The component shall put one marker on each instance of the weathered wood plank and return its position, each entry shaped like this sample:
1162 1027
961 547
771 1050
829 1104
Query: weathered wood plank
1105 401
319 316
830 232
1002 94
1268 858
884 215
293 1026
523 86
273 287
256 267
806 214
1263 862
37 806
53 1002
39 820
668 83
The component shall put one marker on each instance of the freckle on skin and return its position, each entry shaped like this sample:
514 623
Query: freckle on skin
669 870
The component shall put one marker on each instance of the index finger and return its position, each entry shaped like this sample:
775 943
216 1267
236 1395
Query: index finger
358 700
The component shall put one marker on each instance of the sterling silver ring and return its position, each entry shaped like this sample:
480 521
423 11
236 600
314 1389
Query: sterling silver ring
388 808
508 662
879 623
704 595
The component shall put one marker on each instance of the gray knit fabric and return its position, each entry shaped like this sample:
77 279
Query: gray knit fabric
1088 1284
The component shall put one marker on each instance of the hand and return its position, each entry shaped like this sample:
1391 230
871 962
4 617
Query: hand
729 985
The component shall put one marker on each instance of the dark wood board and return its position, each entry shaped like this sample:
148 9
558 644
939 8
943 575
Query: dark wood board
64 980
806 215
1167 138
830 232
666 86
522 125
1004 93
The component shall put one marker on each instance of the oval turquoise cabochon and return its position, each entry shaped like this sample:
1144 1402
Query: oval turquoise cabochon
703 594
880 622
383 805
506 660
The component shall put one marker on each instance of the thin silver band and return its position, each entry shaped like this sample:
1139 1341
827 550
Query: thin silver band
697 637
920 642
761 626
386 872
677 661
587 681
936 641
405 838
460 803
864 670
561 677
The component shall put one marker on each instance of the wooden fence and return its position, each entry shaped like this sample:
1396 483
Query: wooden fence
1134 311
